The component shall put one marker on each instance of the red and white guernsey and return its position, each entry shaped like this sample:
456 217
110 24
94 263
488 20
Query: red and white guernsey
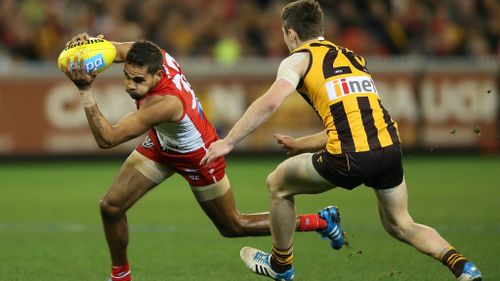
192 131
181 145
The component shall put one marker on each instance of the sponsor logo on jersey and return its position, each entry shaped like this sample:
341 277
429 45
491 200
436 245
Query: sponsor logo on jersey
350 85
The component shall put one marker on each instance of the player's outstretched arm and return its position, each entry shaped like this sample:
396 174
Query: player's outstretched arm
295 146
258 112
289 74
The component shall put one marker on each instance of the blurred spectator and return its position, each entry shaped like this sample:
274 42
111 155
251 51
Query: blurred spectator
36 30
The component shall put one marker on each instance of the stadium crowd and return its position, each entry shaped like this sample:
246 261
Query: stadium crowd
36 30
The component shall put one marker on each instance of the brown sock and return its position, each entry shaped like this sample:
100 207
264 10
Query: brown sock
281 260
454 261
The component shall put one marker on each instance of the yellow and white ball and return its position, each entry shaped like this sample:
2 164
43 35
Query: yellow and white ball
97 54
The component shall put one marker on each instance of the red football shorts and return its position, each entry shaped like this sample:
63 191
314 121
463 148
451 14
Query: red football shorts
185 164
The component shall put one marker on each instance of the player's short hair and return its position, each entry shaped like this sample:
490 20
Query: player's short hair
305 17
145 53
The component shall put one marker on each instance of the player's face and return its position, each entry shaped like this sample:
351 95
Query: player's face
138 81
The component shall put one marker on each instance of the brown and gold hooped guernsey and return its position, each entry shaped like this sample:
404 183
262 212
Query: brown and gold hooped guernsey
341 90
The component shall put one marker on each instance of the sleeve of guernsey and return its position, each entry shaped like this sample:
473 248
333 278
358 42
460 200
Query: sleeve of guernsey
292 68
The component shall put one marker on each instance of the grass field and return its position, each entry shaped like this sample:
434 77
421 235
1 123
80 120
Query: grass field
50 226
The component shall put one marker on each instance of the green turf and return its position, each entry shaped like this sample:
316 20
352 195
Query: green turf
50 227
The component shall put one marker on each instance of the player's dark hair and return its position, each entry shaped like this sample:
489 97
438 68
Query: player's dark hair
305 17
145 53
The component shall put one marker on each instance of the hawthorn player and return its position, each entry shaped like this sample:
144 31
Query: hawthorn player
360 145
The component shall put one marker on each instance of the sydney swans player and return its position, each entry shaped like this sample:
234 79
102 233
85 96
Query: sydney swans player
178 134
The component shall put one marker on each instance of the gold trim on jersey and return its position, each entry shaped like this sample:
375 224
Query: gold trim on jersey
341 90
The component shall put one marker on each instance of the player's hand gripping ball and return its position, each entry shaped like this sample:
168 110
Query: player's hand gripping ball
97 53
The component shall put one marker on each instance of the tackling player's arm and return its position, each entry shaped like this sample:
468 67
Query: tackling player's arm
260 110
295 146
289 74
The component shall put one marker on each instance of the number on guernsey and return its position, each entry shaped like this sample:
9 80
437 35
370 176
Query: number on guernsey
180 80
